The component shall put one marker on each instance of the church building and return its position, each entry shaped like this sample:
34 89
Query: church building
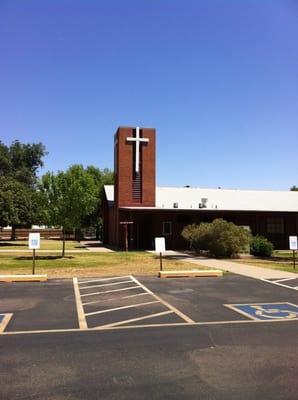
135 210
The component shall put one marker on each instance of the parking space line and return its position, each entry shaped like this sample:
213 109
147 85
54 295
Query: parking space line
256 304
285 279
167 325
80 310
110 291
231 307
135 319
135 295
121 308
104 284
4 322
280 284
174 309
104 279
112 299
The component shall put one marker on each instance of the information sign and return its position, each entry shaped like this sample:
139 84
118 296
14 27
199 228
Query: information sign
160 244
34 241
293 242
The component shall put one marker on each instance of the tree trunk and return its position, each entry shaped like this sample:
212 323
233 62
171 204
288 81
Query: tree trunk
97 233
63 243
13 233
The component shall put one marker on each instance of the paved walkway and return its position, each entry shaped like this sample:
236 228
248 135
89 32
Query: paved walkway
96 247
234 267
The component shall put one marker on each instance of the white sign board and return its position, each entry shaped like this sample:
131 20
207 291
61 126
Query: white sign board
293 242
34 241
160 244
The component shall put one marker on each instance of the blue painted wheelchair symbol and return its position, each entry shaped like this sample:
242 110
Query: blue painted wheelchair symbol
267 311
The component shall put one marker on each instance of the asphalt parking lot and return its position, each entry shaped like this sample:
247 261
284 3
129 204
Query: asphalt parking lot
147 338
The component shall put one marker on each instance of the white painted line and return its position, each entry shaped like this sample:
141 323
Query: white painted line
113 299
182 324
5 321
231 307
80 310
284 279
105 284
174 309
121 308
110 291
135 295
104 279
134 319
167 325
175 324
263 302
280 284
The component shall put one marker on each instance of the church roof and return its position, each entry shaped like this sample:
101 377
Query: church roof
193 198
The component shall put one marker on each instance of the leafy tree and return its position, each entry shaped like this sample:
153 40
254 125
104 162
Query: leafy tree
6 201
18 173
70 197
18 204
294 188
21 161
101 178
220 238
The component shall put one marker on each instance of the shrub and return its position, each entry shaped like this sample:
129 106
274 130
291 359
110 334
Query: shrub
261 246
197 236
220 238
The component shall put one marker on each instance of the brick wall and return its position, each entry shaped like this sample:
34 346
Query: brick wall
124 168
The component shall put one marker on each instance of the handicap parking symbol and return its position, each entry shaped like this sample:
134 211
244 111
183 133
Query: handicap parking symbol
267 311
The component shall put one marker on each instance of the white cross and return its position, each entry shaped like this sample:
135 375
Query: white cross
137 140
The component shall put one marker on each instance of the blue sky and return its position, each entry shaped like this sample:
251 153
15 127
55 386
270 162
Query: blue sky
218 79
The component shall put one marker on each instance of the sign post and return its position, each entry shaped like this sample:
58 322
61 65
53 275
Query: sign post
34 243
125 224
293 246
160 247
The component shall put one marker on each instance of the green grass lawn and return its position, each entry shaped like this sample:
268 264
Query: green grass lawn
281 259
284 254
89 264
46 244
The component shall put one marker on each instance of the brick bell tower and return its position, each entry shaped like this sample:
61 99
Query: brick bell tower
134 167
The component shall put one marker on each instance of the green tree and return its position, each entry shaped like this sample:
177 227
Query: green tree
294 188
101 177
18 173
18 203
69 197
21 161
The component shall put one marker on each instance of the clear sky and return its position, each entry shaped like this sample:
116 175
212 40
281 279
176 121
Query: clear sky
218 79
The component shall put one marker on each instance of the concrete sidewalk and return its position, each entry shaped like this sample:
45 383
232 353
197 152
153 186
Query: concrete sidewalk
96 247
236 268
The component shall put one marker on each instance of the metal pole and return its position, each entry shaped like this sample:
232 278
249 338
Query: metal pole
126 237
294 261
33 267
160 261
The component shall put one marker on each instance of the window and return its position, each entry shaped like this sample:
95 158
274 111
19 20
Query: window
275 225
167 228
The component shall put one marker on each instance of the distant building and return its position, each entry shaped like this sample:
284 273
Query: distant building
135 204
